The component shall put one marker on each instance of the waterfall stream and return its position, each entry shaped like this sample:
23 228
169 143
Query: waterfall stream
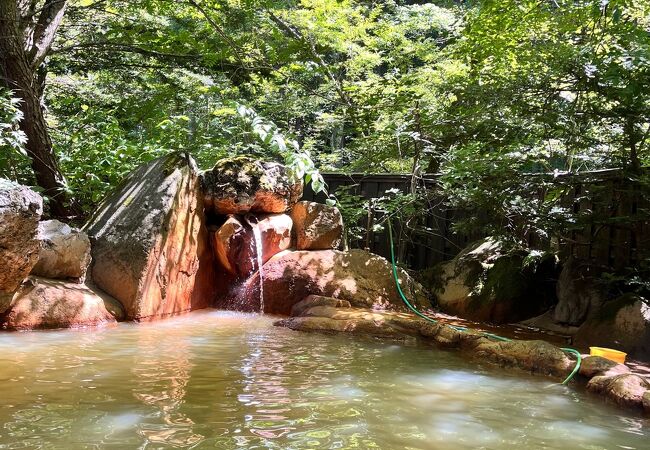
253 222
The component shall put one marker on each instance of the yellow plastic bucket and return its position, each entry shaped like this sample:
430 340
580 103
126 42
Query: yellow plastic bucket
611 354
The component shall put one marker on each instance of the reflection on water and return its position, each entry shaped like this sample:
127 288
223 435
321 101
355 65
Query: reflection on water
228 381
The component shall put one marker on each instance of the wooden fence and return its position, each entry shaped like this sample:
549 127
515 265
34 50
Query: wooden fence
615 231
614 228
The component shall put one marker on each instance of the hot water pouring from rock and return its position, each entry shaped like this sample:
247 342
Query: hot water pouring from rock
253 222
247 201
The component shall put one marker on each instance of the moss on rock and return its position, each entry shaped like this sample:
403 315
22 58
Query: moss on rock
623 324
241 184
485 282
610 309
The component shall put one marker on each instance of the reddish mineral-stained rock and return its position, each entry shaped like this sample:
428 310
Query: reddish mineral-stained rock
234 242
358 276
242 184
150 245
275 230
232 246
317 226
42 303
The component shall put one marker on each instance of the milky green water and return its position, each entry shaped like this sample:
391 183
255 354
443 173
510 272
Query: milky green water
228 380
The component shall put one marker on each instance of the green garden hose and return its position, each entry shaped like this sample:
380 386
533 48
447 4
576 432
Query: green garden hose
578 356
572 351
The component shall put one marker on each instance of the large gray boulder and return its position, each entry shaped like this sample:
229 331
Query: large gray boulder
149 241
242 184
623 324
64 253
488 283
363 279
20 211
579 296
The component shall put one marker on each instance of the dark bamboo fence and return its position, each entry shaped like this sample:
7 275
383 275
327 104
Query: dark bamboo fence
613 229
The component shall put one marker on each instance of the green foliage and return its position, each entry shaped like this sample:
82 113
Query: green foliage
630 280
397 205
545 87
354 209
12 140
298 162
362 217
481 92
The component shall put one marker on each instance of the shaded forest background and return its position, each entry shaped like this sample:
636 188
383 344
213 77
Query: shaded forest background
482 92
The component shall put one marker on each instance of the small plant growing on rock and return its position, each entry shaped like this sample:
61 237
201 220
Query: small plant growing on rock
298 161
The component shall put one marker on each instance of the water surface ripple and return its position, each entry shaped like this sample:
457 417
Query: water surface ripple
228 380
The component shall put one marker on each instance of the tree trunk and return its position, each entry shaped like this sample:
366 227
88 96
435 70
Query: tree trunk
22 78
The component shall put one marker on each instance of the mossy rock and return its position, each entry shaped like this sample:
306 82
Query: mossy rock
579 292
485 282
149 241
243 184
622 324
610 309
512 292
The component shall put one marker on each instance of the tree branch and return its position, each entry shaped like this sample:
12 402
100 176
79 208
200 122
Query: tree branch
45 30
296 34
219 31
127 48
26 10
